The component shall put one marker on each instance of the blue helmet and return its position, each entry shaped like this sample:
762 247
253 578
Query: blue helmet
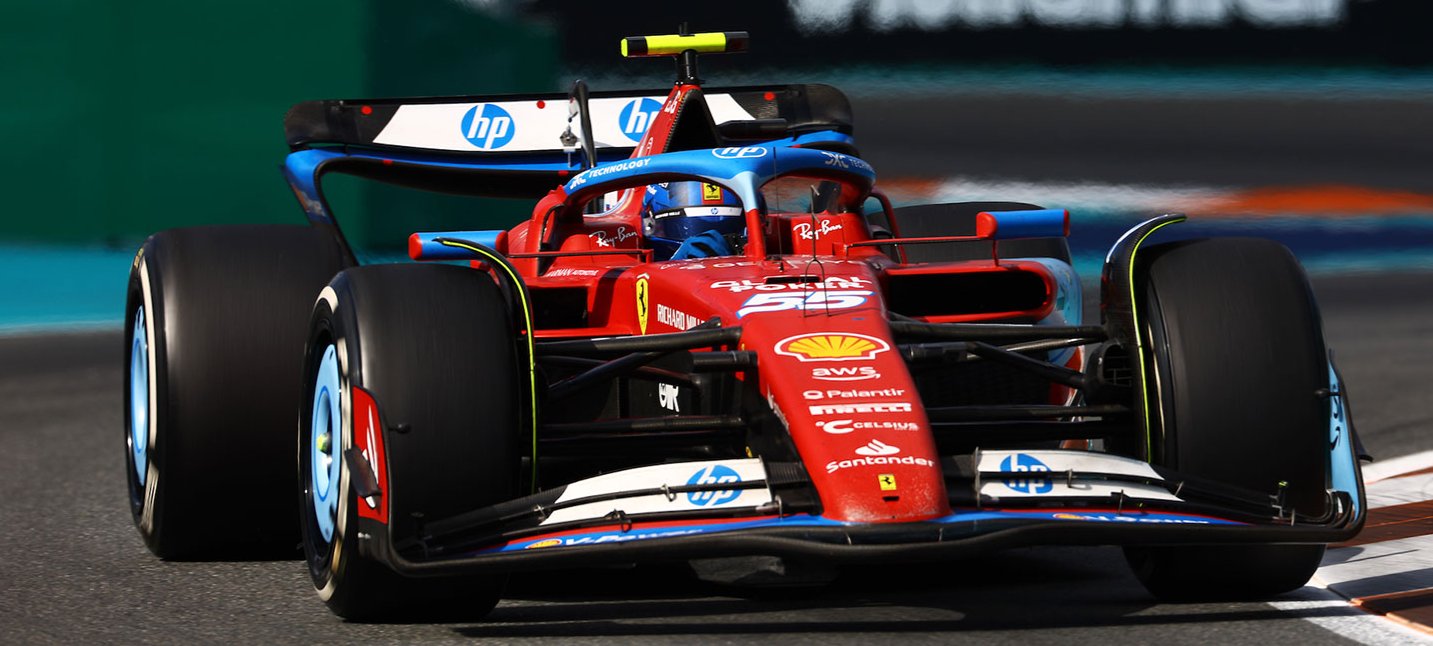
676 211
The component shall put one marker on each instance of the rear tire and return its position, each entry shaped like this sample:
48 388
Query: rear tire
1235 361
215 316
434 346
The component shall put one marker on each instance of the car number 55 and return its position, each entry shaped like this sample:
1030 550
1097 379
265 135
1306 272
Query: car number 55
834 299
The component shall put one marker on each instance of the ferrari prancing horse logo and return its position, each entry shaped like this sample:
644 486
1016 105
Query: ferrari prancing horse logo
642 302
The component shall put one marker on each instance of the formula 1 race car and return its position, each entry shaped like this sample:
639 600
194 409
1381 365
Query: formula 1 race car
714 337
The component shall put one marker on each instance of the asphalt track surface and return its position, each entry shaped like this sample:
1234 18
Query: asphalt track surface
73 569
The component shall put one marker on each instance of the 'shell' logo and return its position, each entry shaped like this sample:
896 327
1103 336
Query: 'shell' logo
831 347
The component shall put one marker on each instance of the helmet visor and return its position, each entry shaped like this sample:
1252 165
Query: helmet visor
680 224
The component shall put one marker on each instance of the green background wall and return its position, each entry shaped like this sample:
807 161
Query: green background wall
124 118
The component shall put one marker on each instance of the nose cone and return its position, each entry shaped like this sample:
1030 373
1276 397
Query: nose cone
855 417
833 375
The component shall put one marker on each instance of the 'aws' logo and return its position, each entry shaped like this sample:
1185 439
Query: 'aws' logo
488 126
637 116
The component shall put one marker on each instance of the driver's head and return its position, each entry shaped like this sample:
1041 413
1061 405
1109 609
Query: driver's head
707 215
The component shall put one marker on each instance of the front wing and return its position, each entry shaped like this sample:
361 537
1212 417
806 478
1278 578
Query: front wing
722 508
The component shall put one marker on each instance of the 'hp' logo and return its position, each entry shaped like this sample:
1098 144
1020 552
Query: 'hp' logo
715 474
488 126
636 116
1023 462
735 152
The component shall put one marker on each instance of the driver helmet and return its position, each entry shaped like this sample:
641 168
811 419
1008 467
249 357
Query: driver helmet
673 212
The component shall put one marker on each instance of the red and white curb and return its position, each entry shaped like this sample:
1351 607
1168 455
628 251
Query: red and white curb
1386 570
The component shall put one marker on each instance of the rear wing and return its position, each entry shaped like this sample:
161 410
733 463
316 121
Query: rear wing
527 124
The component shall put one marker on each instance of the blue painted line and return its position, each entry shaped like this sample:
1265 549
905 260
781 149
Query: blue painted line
60 288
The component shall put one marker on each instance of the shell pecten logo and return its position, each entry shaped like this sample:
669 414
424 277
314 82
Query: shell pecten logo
827 346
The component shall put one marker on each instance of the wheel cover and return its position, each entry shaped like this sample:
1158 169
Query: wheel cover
325 444
139 398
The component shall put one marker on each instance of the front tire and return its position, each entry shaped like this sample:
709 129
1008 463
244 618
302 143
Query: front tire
435 348
1235 364
215 316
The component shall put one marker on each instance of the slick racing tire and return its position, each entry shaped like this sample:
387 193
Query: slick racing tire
1235 364
1192 573
958 219
215 322
434 347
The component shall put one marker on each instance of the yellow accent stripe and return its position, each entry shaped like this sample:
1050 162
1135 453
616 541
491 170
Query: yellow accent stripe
708 43
497 261
1139 340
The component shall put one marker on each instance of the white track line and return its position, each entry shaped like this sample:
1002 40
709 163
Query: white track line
1400 490
1332 612
1376 569
1393 467
1371 569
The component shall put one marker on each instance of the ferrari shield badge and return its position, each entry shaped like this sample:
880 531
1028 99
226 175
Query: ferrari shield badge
642 302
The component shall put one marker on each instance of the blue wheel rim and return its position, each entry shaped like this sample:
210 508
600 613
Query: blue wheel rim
325 444
139 397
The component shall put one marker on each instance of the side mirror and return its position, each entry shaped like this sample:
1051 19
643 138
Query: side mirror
1006 225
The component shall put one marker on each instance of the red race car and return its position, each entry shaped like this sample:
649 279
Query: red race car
714 337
